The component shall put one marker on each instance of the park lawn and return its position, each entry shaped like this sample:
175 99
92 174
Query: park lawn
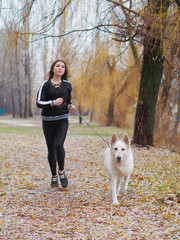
74 129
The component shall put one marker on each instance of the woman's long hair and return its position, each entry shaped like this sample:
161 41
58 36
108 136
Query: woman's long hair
51 73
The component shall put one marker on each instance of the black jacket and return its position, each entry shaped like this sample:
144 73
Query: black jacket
46 96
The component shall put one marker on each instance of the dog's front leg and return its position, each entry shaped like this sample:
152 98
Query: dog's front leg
114 191
119 184
126 181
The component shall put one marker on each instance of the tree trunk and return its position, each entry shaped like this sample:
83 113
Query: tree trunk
18 82
111 111
30 94
177 121
12 91
176 125
25 101
112 103
149 87
166 84
25 92
91 115
80 111
28 84
45 53
151 75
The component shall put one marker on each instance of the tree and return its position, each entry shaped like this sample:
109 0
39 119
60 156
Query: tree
18 52
146 26
150 28
28 80
129 25
151 76
166 126
104 88
152 67
17 57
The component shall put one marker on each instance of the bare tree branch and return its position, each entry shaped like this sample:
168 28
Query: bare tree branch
123 7
60 13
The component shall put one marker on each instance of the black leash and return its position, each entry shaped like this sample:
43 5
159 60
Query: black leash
91 127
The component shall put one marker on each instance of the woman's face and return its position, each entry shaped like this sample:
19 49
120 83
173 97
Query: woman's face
59 69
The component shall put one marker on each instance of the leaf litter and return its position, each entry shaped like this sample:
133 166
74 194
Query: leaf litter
31 209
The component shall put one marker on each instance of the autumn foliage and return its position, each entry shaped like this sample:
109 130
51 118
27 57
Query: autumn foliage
104 88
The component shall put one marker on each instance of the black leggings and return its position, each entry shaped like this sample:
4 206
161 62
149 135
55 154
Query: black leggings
55 133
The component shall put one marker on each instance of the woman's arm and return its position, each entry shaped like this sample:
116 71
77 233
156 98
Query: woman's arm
41 101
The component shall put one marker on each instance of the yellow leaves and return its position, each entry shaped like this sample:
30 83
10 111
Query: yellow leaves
27 184
137 177
99 79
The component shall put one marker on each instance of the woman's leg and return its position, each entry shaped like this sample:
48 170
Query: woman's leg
61 132
49 133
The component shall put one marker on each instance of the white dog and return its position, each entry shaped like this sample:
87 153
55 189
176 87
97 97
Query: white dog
118 161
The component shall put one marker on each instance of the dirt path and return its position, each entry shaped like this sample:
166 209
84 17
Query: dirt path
30 209
30 122
20 122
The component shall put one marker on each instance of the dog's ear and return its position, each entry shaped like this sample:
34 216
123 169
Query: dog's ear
126 139
114 138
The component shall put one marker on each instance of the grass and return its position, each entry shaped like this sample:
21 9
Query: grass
74 129
5 128
81 129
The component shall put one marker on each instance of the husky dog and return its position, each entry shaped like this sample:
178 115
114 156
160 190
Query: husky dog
118 161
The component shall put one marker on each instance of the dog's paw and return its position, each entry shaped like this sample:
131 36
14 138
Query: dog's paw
122 192
115 202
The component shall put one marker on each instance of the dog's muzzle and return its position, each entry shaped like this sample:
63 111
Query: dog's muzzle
118 159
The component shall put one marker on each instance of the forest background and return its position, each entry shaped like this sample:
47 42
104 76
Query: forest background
123 59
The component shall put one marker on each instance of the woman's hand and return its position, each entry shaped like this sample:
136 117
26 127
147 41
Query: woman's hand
72 107
58 101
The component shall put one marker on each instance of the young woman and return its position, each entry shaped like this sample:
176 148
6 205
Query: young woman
54 97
